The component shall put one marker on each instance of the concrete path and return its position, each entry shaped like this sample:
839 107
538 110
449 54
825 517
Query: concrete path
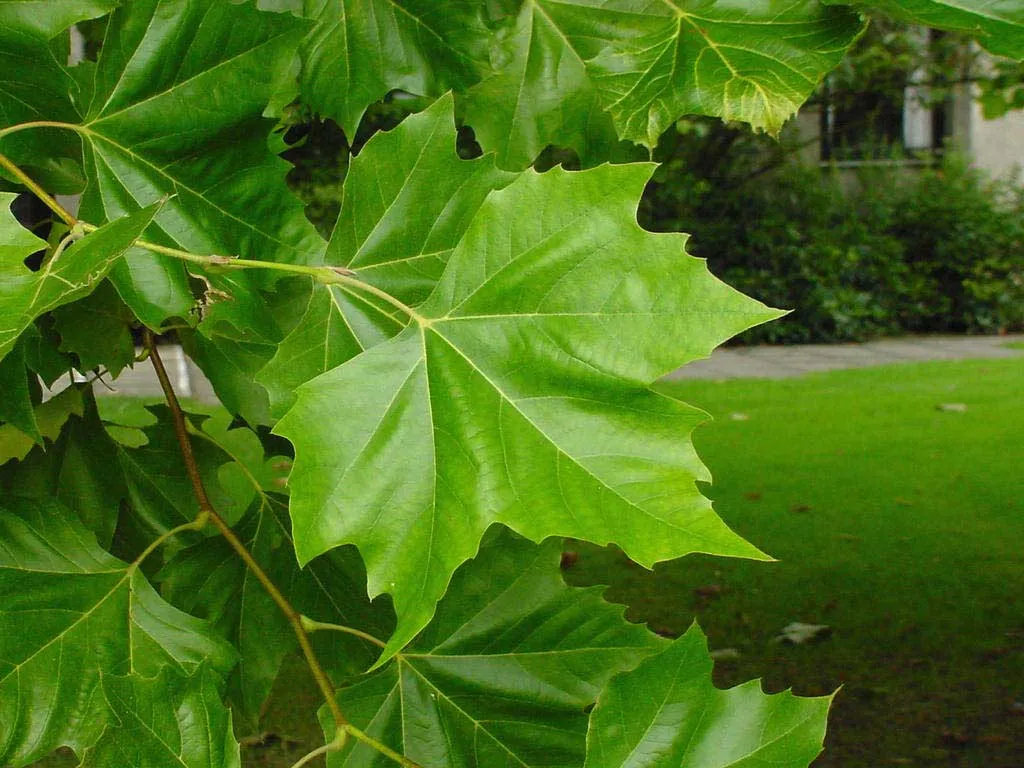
764 362
779 362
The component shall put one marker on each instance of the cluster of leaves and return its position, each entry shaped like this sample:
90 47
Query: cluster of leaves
474 345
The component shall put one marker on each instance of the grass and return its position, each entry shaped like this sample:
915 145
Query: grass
896 523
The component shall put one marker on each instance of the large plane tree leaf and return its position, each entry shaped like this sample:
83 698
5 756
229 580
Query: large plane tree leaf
73 274
504 673
180 90
407 202
668 713
70 613
360 50
169 720
996 24
518 393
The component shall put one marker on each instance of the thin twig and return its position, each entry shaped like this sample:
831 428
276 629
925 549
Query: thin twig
194 525
327 275
312 625
38 191
293 616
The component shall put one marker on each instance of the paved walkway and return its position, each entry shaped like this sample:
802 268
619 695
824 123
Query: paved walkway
765 362
779 362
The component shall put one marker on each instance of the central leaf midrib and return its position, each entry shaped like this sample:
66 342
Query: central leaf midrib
550 440
476 723
60 635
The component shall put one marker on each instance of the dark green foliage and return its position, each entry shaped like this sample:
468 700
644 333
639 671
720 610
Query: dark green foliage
856 254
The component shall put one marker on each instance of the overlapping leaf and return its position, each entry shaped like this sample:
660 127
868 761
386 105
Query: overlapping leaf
16 404
407 202
360 50
49 417
577 73
210 581
70 613
96 330
667 712
652 62
159 487
25 295
543 94
504 673
35 86
180 89
518 394
998 25
75 470
163 721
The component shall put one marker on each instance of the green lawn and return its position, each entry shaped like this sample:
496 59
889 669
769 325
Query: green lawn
898 524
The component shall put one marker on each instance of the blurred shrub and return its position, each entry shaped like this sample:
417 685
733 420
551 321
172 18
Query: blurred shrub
882 251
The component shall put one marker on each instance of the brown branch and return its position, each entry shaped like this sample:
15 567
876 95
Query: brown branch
344 728
294 617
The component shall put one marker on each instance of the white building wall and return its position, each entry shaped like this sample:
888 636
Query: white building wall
996 145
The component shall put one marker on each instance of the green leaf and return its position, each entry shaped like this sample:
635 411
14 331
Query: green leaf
159 486
504 673
167 720
407 202
999 25
653 62
16 406
542 96
69 613
667 712
210 581
518 394
38 86
76 470
48 18
360 50
25 295
42 351
194 130
50 417
97 330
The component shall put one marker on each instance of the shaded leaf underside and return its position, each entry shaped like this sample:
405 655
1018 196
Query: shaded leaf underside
503 674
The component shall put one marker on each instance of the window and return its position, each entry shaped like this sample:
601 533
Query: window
881 105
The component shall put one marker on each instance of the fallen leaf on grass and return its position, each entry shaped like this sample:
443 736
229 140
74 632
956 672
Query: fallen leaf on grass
952 407
801 508
798 633
725 654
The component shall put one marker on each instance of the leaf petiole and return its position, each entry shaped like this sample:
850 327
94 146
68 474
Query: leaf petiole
197 524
